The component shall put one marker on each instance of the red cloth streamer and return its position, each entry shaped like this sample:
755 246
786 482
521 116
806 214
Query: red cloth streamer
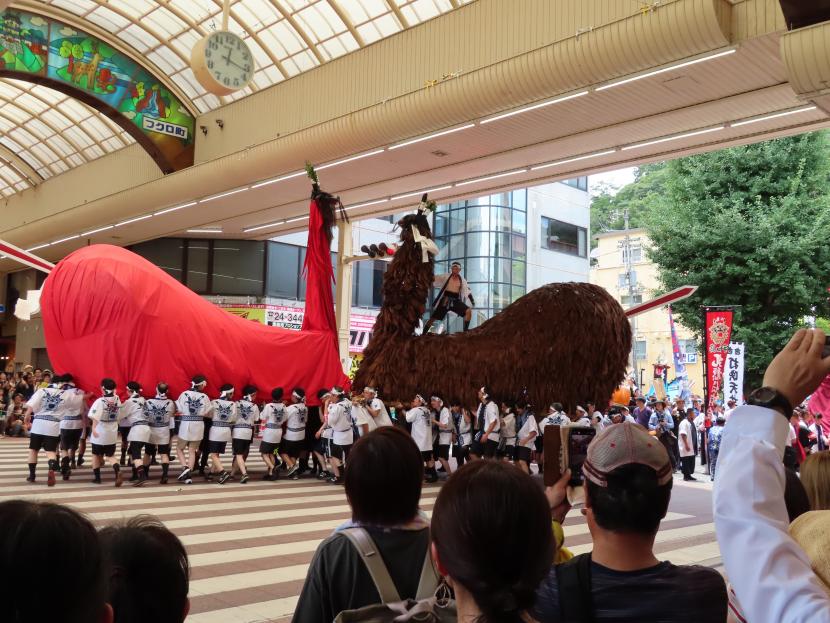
319 302
820 403
108 312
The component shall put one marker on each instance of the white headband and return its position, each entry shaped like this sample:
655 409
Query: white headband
298 397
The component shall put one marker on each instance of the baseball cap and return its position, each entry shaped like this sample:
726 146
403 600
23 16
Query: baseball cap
625 444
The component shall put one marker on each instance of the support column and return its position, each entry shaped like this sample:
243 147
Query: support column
343 291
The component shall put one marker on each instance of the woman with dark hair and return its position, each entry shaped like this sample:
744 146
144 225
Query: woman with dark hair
383 487
139 552
33 534
492 560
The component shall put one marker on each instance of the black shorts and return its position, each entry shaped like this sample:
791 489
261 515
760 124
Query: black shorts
449 302
292 448
240 447
323 446
443 452
539 443
340 452
163 449
217 447
426 455
176 423
70 438
137 446
124 431
103 450
522 454
507 451
476 448
43 442
490 448
266 447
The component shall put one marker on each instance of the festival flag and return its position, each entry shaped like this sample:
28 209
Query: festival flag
679 361
733 388
718 333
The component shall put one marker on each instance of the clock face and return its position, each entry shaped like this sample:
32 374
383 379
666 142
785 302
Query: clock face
228 61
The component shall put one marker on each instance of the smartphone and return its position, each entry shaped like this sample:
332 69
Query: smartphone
566 447
578 441
826 350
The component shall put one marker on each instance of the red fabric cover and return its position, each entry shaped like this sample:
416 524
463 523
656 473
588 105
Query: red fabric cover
820 403
319 307
108 312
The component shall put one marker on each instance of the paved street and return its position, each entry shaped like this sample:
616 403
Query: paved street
250 545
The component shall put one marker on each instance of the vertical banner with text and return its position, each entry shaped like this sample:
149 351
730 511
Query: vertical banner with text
679 361
733 384
718 333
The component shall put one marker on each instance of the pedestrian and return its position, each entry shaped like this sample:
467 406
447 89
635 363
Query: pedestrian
224 416
662 423
160 412
106 414
642 414
421 419
195 408
293 442
273 414
687 451
715 434
247 416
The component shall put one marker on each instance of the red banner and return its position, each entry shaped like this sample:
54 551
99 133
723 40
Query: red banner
718 334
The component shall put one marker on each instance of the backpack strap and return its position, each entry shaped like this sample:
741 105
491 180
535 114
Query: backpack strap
574 582
368 551
429 576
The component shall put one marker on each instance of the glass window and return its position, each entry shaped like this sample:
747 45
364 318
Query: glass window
283 275
517 293
640 350
238 267
458 221
481 294
501 219
578 182
478 244
503 271
519 222
478 217
367 283
564 237
166 253
519 247
197 265
301 276
519 200
636 254
501 244
500 295
502 199
519 274
440 226
478 269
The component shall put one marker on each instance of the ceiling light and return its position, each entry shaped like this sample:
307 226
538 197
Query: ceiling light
421 192
736 124
491 177
576 159
345 160
258 227
95 231
133 220
174 208
673 138
436 135
368 203
294 220
278 179
204 231
225 194
665 69
534 107
40 246
66 239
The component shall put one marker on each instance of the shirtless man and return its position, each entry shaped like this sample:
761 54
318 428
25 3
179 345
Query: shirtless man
455 296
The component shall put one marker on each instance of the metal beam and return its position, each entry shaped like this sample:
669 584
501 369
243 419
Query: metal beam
22 167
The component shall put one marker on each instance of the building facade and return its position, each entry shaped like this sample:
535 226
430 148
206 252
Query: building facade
652 333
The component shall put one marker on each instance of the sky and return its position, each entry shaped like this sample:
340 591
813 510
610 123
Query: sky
618 178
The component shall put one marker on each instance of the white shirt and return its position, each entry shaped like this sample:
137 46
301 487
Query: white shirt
159 413
362 418
557 418
273 414
340 419
382 418
49 406
193 406
508 429
224 415
491 414
295 417
444 436
464 434
528 428
770 573
247 415
421 420
133 414
107 412
687 430
73 402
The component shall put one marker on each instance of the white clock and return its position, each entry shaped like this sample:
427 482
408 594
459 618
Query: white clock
222 62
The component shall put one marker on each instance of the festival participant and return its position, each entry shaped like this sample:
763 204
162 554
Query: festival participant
715 434
526 437
194 407
124 433
72 422
455 296
224 415
159 412
507 441
555 417
340 420
247 416
486 440
443 420
421 419
322 436
642 414
360 415
313 423
817 430
662 423
686 438
376 409
133 412
463 435
273 415
581 418
105 414
45 405
293 441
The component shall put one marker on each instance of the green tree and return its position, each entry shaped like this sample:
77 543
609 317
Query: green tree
608 204
750 226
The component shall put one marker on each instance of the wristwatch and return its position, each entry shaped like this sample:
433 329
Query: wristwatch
771 399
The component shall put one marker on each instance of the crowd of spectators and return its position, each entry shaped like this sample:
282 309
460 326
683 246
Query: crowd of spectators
15 389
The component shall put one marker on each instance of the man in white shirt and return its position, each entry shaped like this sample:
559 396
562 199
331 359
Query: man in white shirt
293 442
44 411
273 415
686 445
106 414
420 417
224 416
194 405
770 574
443 420
160 412
486 440
138 436
340 420
247 416
72 423
376 409
526 436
